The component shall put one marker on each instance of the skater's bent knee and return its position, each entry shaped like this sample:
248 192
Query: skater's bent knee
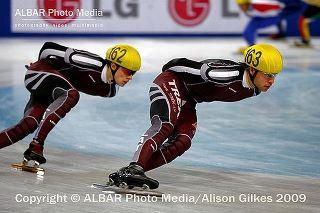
73 96
160 127
29 124
183 143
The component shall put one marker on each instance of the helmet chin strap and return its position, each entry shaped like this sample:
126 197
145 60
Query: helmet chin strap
253 76
113 68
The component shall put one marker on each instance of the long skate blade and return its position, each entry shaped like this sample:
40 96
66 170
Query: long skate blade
118 190
301 45
24 167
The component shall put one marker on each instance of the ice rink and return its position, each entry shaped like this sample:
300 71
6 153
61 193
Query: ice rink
264 145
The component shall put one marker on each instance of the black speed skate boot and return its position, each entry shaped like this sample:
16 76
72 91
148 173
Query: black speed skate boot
35 153
132 176
303 43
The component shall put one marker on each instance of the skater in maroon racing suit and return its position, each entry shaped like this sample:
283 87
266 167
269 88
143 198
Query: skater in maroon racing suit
54 83
173 98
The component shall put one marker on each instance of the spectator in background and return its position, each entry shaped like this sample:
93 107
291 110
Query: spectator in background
310 13
292 7
264 14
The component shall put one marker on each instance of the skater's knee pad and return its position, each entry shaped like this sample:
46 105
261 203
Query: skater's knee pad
159 128
176 148
156 134
69 101
182 144
73 97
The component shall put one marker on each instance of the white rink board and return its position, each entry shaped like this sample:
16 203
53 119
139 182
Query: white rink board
132 16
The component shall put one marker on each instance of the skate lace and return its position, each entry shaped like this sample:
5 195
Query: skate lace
131 171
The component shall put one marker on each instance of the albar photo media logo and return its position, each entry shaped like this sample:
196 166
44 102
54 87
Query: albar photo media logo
189 12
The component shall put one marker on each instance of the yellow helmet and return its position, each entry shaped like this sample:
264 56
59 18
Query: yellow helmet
264 57
125 56
243 1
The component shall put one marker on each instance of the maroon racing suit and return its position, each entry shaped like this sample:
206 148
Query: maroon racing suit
54 83
173 98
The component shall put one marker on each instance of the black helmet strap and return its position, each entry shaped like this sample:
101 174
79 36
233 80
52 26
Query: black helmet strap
253 76
113 68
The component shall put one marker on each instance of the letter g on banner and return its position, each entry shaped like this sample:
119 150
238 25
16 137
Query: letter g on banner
189 12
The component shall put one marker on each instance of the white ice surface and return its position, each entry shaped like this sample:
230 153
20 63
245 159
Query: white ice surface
275 133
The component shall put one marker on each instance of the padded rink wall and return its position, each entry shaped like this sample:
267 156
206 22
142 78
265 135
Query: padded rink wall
127 18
